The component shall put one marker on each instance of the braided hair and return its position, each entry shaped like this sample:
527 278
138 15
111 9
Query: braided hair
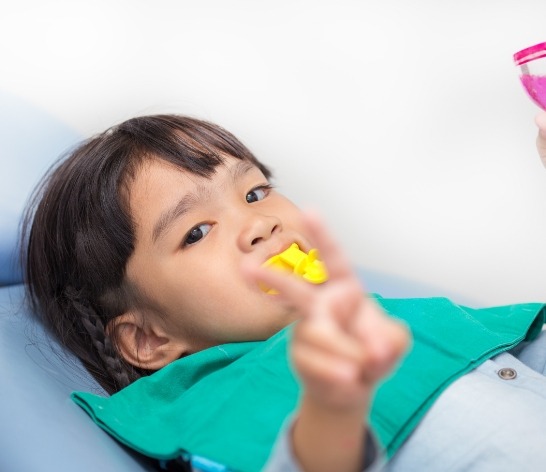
121 373
78 233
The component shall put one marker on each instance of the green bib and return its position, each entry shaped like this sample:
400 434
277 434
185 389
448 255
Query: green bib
228 403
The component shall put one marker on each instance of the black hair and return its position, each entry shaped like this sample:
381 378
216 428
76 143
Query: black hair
78 233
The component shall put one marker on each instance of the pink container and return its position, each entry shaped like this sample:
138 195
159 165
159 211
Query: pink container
532 65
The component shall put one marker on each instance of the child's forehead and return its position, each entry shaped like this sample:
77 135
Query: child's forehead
232 166
160 181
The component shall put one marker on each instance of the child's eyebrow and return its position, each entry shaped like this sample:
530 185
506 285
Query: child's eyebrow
168 217
240 169
191 199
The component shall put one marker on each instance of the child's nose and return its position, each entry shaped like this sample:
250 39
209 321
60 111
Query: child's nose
256 229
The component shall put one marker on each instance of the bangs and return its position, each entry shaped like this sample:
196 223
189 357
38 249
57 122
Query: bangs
193 145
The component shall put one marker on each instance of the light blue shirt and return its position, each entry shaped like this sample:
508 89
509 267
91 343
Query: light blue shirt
493 419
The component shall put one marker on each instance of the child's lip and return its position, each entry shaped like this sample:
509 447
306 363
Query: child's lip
283 248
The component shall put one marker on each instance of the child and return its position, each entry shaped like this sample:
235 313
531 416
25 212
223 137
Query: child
146 248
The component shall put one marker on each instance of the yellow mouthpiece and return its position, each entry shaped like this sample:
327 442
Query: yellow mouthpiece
294 260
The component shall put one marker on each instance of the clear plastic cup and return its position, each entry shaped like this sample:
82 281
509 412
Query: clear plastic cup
532 65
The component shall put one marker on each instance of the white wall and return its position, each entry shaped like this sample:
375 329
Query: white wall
403 121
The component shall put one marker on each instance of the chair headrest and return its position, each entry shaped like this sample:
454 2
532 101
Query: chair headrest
30 141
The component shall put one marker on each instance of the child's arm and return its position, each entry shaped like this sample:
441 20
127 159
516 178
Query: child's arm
541 138
342 346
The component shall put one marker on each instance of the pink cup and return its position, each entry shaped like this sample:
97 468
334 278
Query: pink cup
532 65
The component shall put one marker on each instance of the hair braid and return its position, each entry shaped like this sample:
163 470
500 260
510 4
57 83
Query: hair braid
90 320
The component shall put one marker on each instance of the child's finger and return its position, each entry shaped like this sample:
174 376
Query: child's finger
386 339
291 289
324 335
319 366
340 301
337 263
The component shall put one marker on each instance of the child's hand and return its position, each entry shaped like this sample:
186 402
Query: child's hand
342 346
344 342
540 120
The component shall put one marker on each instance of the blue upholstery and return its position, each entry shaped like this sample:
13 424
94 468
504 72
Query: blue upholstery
41 429
30 141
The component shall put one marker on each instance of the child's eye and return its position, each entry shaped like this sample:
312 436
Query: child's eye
259 193
197 233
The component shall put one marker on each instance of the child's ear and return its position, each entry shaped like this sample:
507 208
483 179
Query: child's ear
144 345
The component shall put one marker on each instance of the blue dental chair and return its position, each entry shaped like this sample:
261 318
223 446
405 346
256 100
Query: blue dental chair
41 429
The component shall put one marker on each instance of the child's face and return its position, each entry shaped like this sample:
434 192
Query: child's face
192 236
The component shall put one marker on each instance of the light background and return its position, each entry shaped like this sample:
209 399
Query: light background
403 122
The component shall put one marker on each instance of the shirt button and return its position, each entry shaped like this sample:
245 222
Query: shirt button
507 373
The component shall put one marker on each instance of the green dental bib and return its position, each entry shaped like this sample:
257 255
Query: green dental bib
228 403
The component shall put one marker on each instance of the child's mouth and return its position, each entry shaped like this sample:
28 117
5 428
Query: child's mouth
294 260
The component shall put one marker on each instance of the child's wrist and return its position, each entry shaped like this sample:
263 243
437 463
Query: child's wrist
326 438
335 409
